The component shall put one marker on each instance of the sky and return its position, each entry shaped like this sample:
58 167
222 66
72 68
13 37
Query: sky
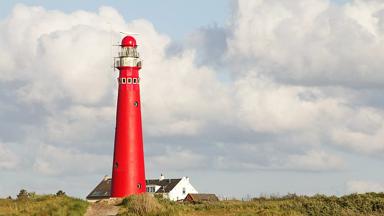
247 97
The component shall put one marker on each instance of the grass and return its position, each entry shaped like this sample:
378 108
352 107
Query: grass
33 204
290 205
139 205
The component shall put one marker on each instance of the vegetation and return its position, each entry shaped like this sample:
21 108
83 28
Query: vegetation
290 205
372 204
28 203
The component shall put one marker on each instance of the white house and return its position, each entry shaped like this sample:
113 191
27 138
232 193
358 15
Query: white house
173 189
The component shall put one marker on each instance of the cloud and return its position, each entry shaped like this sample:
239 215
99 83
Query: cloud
364 186
178 159
315 161
302 66
51 160
8 159
309 42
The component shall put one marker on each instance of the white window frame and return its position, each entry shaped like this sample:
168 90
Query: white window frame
123 80
129 80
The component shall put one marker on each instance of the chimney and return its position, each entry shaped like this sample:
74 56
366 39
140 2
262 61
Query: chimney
161 177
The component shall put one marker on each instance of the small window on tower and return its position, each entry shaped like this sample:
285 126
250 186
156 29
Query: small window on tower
134 80
123 80
129 80
139 185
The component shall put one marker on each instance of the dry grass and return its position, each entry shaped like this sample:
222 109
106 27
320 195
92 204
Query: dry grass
352 205
144 204
43 205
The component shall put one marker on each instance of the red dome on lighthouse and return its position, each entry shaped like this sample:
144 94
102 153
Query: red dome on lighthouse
128 41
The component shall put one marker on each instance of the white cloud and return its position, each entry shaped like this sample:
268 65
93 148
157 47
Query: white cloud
177 159
315 161
51 160
284 51
363 132
8 158
364 186
310 42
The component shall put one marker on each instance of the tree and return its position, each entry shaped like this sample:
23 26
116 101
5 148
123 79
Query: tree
23 194
60 193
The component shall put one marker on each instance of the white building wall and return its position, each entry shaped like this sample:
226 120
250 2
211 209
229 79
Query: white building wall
177 192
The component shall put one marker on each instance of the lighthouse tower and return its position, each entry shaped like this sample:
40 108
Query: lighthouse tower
128 174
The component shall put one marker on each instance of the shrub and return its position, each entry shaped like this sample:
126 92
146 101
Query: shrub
60 193
23 194
142 204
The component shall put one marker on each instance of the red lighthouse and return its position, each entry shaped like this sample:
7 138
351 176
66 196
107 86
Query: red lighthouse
128 173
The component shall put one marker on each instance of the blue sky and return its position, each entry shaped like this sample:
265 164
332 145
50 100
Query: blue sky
296 111
172 17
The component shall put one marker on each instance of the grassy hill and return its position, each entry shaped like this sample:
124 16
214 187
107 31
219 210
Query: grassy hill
319 205
32 204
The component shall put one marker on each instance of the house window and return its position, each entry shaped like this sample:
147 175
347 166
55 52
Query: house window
184 190
129 80
151 189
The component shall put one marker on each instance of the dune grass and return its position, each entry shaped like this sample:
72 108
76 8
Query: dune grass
33 204
290 205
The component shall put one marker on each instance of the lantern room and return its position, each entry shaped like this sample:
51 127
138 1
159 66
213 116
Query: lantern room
128 55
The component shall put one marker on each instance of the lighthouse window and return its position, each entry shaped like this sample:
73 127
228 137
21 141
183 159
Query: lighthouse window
116 165
139 185
123 80
129 80
135 103
134 80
